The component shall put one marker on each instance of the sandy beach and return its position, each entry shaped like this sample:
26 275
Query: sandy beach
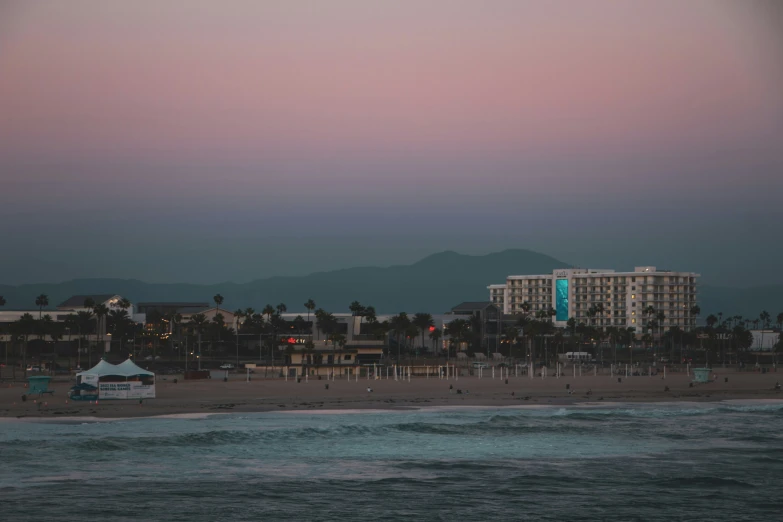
259 395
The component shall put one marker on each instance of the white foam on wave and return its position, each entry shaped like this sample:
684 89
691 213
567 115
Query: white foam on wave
90 420
340 412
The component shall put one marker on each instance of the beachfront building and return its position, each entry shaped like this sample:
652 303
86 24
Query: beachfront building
764 340
357 331
171 307
498 295
229 319
342 360
603 297
71 306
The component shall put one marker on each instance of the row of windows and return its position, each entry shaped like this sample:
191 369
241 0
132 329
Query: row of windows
584 280
530 282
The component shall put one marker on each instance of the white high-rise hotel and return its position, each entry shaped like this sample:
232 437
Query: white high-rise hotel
623 295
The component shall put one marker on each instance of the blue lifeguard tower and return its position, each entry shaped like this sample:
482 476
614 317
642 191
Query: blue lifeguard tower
39 384
701 375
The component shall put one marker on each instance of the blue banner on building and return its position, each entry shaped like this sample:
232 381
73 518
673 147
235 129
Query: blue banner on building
561 299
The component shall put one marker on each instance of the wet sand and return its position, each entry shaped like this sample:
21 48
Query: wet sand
259 395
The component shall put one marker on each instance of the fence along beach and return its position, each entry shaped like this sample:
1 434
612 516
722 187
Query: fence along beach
407 387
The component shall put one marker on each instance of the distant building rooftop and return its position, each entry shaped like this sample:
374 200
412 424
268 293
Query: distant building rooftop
175 304
77 301
469 306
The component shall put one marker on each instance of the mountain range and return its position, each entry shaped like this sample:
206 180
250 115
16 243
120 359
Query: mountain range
433 284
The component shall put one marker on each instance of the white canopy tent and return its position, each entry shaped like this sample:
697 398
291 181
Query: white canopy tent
121 381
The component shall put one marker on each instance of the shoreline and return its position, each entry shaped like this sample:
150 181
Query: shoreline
587 404
192 399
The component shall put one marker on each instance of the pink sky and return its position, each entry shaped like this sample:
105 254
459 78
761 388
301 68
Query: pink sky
89 78
297 116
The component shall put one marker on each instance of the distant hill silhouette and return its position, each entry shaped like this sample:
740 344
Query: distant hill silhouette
434 284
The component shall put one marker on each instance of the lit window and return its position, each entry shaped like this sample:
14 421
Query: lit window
633 296
633 321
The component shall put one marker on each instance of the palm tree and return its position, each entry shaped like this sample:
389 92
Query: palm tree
369 313
660 318
599 311
310 306
84 323
649 316
218 324
176 324
239 314
254 324
100 311
41 301
779 318
399 324
630 338
26 325
197 322
613 333
248 314
299 325
118 323
764 317
695 311
457 330
70 324
591 313
356 308
55 331
423 322
510 335
336 339
124 304
410 335
281 309
711 321
435 336
218 301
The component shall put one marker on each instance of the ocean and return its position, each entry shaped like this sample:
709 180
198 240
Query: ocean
650 462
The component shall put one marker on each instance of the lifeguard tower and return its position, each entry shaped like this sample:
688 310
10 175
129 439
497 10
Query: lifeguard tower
701 375
39 385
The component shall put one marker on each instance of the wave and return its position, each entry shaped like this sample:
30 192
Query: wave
656 410
698 481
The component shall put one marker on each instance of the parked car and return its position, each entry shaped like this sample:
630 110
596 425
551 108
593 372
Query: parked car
478 365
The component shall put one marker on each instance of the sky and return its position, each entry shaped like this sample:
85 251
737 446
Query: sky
202 141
